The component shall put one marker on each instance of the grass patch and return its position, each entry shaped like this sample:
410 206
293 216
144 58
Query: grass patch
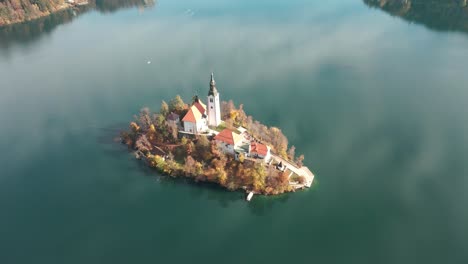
221 127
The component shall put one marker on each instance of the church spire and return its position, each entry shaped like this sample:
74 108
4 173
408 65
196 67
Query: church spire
212 79
214 109
213 91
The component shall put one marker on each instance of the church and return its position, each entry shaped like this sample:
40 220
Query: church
200 116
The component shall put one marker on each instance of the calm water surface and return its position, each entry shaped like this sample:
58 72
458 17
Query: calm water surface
376 103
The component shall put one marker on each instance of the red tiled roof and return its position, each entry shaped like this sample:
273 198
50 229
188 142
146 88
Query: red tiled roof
228 136
259 148
200 106
193 115
189 117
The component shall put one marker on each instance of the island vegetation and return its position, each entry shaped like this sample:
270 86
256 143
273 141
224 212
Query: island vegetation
158 141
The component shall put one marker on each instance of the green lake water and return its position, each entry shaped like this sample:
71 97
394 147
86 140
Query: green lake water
375 101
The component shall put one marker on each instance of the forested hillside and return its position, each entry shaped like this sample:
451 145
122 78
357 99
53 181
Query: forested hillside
445 15
12 11
15 11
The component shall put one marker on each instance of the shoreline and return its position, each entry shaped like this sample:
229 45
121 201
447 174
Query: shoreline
146 160
60 8
236 152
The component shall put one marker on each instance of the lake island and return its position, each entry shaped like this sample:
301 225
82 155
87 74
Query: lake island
217 142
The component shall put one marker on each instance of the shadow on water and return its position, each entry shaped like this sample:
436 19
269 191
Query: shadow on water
31 31
260 205
108 137
439 15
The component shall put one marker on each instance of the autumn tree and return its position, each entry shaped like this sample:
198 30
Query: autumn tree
176 105
215 149
152 134
283 178
219 162
222 176
203 148
173 131
143 144
134 128
300 160
189 147
292 153
158 162
271 171
258 177
226 109
241 117
144 119
160 122
189 166
279 141
229 123
241 157
164 109
249 122
199 171
301 179
170 156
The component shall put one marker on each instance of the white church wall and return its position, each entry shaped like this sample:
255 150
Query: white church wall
189 127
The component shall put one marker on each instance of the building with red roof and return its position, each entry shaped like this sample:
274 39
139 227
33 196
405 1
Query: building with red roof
199 115
259 150
229 140
194 120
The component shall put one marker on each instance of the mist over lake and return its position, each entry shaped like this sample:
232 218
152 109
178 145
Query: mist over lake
374 97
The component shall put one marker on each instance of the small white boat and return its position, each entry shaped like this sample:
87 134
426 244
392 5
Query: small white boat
249 197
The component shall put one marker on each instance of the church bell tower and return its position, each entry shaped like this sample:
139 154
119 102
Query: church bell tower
214 109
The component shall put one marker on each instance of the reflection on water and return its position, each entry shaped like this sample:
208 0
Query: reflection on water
114 5
32 30
445 15
108 139
382 122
